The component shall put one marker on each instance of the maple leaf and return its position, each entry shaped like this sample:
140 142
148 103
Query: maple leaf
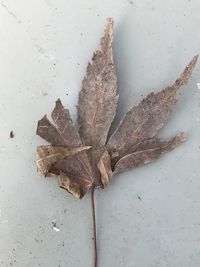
83 158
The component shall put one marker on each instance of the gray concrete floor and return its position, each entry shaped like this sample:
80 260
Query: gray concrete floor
148 217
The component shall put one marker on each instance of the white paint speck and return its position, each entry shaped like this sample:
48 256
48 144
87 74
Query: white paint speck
198 86
55 227
45 93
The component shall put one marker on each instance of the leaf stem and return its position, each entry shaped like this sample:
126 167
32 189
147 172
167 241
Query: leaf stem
94 226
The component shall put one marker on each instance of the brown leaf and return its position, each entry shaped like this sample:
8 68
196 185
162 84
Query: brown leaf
78 169
81 158
72 187
63 133
104 166
48 155
51 162
150 151
98 97
145 120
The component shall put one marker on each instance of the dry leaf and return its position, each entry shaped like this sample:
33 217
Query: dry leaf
98 96
151 151
83 158
48 155
145 120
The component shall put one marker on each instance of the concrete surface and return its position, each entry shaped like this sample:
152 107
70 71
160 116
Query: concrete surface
148 217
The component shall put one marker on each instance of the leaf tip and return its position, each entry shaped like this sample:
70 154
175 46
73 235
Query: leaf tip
193 62
196 57
183 136
108 32
110 21
44 118
58 101
186 74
